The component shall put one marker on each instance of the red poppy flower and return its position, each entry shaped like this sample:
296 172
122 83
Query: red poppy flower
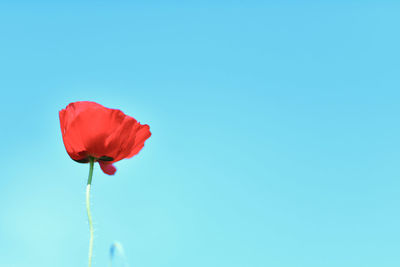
108 135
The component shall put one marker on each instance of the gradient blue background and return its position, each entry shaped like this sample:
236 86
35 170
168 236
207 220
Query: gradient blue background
276 137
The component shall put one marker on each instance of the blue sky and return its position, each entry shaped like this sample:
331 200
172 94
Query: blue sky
275 133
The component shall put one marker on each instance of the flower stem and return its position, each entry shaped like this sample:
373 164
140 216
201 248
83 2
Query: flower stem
89 182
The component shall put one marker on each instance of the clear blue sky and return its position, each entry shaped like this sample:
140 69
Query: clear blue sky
276 135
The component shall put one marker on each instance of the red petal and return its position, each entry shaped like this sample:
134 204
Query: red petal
72 144
141 136
117 141
90 129
107 168
135 142
87 126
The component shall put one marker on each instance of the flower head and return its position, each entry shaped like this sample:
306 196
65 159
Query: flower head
107 135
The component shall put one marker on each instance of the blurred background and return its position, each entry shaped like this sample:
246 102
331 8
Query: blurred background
275 132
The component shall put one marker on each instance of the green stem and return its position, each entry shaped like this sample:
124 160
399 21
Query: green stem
89 182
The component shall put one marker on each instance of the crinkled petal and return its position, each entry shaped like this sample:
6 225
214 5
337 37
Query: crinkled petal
141 136
118 139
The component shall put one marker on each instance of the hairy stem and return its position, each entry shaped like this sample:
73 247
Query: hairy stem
89 182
